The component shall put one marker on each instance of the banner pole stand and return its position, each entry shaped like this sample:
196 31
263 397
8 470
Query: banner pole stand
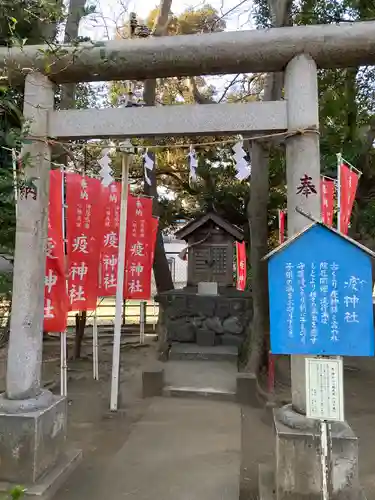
95 348
126 149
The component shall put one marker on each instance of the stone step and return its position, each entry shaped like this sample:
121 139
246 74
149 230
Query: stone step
193 352
199 392
267 489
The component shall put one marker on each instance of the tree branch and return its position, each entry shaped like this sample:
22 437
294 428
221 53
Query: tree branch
232 82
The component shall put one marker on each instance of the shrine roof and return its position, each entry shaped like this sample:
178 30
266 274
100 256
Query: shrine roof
289 241
195 224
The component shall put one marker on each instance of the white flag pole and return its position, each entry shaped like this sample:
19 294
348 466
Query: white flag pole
126 160
95 348
63 336
339 161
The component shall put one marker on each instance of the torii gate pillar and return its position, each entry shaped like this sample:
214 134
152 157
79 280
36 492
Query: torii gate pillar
33 421
296 474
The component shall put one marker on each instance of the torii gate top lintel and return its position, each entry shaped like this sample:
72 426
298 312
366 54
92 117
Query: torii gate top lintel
270 50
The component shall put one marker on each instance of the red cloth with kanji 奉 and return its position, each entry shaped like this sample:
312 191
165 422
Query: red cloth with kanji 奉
110 240
140 235
55 294
85 216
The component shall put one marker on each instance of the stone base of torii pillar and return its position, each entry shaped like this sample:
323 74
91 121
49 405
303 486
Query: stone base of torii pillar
33 421
296 473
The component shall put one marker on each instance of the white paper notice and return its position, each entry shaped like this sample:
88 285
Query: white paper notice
324 389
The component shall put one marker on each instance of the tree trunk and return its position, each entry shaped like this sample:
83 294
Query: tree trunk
80 332
258 221
258 216
75 14
162 273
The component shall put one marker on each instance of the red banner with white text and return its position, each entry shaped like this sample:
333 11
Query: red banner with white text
327 200
109 245
55 294
281 226
348 188
139 238
85 216
241 265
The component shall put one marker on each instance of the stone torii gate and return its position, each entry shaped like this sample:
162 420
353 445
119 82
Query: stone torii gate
34 421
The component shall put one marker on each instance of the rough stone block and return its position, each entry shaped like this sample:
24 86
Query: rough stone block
152 383
247 387
298 465
31 443
233 325
222 310
229 339
214 324
181 330
205 337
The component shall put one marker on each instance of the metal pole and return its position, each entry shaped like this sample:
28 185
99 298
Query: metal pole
142 318
124 313
324 459
120 281
95 349
153 315
63 365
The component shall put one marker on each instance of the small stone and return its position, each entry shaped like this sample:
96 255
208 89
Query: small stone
214 324
233 325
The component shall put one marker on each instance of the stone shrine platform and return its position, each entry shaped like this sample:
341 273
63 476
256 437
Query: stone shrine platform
206 319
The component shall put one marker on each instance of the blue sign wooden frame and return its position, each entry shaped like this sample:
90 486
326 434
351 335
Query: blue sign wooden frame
320 290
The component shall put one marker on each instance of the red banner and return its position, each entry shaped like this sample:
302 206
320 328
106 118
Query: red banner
348 188
241 265
139 237
85 229
109 245
55 295
327 200
281 226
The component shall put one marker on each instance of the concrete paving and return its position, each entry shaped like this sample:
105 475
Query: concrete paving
182 449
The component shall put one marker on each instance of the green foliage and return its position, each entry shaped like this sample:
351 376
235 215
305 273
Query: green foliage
346 106
14 494
23 21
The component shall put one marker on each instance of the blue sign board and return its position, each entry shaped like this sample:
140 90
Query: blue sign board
320 289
